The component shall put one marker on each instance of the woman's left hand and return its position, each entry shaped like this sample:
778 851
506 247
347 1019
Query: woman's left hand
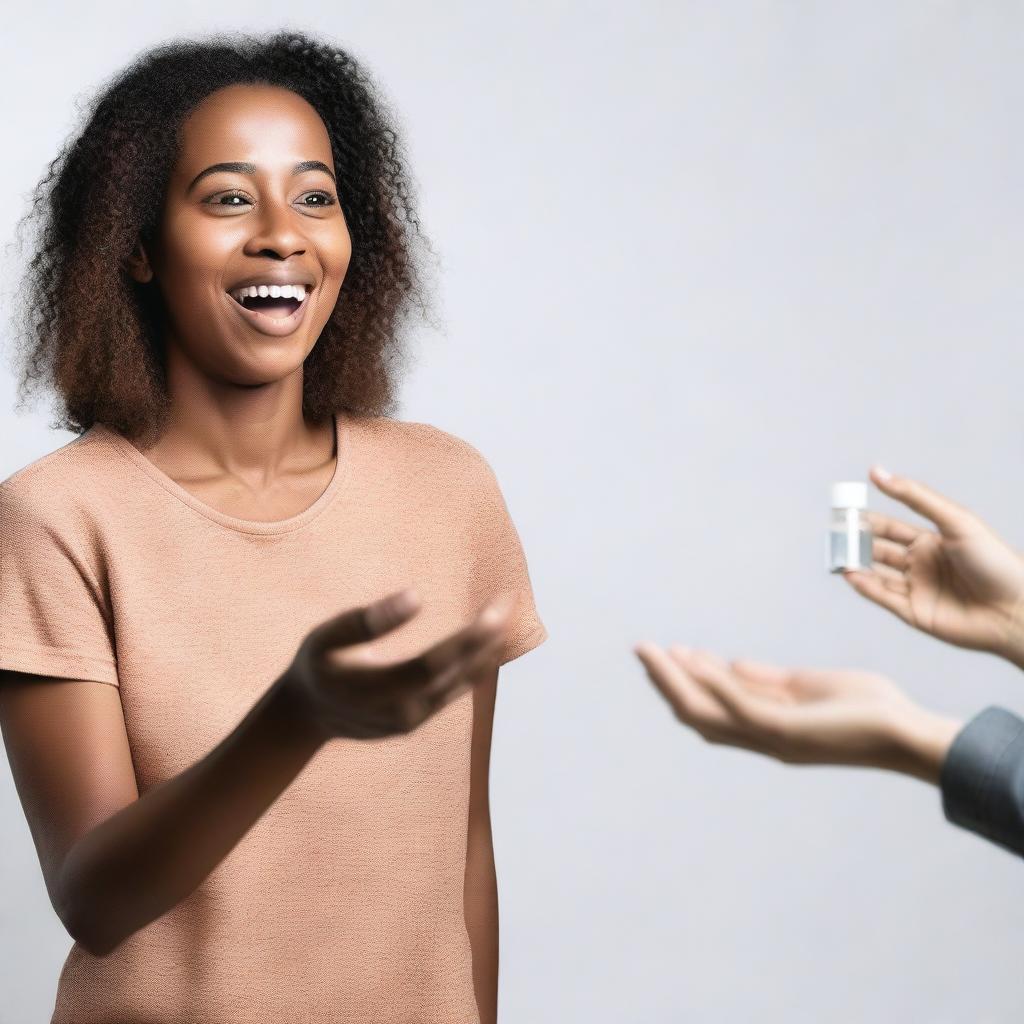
801 716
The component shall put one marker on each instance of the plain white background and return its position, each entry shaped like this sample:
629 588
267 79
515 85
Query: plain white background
699 261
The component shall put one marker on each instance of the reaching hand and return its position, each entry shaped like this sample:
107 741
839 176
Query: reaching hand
800 716
343 693
962 583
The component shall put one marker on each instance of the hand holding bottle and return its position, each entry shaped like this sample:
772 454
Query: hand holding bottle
961 583
801 716
341 692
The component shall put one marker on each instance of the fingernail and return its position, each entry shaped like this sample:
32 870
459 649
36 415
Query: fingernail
883 472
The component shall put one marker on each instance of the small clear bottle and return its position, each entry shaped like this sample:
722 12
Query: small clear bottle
849 536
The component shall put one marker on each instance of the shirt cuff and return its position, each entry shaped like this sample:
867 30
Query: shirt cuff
982 778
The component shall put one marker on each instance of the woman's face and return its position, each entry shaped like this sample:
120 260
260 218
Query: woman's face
252 204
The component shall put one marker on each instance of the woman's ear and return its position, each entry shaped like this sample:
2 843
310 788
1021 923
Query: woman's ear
139 266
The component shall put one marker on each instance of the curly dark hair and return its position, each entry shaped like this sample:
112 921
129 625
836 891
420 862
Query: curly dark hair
92 334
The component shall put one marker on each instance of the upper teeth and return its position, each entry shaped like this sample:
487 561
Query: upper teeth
274 291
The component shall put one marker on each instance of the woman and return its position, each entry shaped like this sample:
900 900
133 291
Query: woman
961 583
242 811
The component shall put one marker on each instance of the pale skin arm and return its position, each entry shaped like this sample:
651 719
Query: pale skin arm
801 716
113 860
481 884
960 582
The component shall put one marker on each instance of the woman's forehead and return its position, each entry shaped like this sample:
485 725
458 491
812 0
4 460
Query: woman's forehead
239 122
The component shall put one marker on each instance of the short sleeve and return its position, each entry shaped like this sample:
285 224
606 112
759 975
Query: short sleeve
53 620
498 564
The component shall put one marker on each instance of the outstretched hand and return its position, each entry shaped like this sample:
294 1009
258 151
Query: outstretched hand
342 688
961 582
800 716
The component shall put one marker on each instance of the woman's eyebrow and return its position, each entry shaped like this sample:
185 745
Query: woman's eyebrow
241 167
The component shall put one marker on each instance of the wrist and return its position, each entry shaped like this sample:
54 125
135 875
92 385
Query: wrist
1016 654
923 740
1013 649
293 723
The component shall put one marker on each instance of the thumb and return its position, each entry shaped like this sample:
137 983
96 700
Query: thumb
360 625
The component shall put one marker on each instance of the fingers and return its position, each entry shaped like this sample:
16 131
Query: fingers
748 709
464 671
769 680
474 644
359 625
888 553
459 679
418 700
705 695
387 614
946 514
684 695
893 579
891 593
893 529
786 685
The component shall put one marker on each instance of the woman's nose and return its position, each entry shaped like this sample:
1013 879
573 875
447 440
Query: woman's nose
277 229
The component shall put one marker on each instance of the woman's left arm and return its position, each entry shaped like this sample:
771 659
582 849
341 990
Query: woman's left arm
481 884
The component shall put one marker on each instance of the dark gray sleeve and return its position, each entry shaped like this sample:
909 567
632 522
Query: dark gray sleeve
982 778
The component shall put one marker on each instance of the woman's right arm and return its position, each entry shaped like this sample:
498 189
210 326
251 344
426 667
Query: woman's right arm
113 860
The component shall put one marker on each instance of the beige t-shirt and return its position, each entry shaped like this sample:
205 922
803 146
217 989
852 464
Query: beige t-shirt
344 903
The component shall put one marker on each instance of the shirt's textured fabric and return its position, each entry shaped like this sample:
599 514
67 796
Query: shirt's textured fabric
982 778
344 903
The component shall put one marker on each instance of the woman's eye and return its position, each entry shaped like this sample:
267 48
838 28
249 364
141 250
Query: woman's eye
326 199
239 199
229 199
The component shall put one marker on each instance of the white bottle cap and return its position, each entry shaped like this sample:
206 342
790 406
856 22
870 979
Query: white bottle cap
850 494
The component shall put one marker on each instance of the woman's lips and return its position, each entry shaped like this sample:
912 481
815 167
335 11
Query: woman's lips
275 326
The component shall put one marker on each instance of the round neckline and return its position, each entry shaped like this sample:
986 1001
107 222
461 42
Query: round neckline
251 526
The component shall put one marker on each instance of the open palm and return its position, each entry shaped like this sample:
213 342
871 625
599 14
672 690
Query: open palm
799 715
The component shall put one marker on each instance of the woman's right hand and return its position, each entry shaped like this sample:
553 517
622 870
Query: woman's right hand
344 692
963 584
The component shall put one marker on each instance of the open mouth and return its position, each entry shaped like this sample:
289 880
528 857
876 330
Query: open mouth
275 301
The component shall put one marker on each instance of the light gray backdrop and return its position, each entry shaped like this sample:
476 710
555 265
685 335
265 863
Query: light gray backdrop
700 260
